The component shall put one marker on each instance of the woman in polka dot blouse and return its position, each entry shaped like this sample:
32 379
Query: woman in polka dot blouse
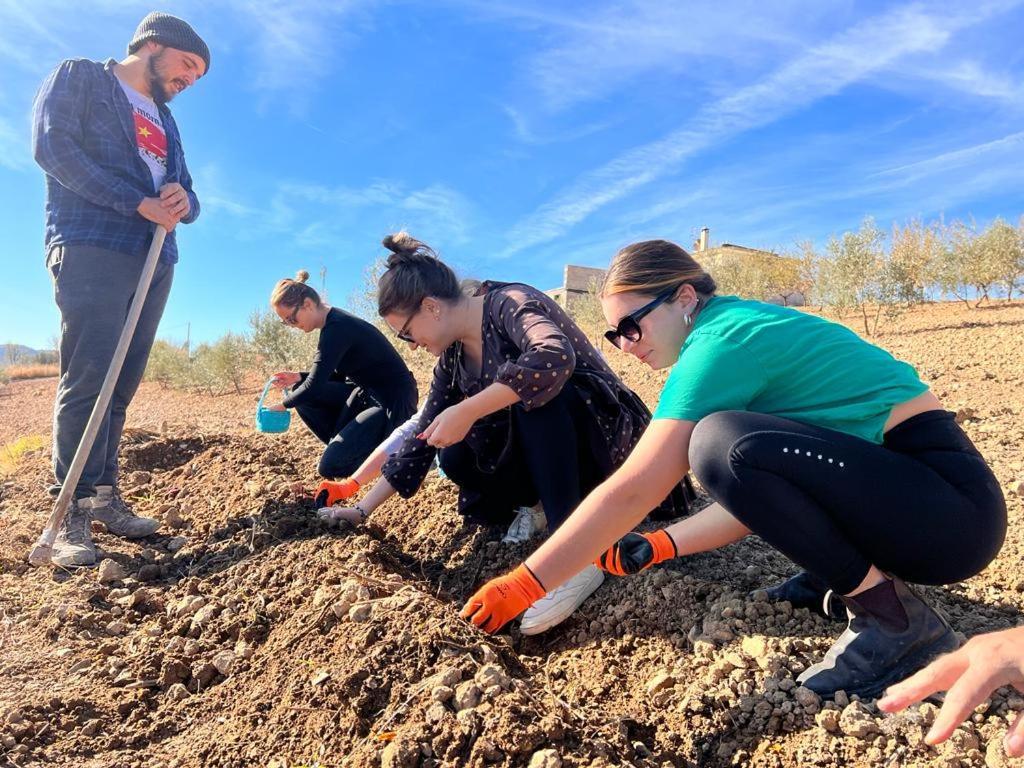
522 407
824 445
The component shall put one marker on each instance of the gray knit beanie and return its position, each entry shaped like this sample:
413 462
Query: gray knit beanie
170 31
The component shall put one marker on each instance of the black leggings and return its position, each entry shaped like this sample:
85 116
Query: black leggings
923 506
350 422
551 459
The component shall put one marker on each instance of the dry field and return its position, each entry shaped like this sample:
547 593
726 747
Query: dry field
244 634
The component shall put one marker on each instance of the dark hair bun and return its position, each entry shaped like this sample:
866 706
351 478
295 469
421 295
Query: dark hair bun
301 276
406 249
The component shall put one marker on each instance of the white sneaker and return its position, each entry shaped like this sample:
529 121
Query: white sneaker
528 522
558 604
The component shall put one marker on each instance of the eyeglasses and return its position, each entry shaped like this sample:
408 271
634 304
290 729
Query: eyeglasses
629 326
293 318
403 333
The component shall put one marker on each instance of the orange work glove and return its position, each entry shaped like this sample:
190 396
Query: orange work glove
502 599
636 552
329 493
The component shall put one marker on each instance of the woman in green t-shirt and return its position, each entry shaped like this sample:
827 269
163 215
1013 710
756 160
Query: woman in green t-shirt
822 444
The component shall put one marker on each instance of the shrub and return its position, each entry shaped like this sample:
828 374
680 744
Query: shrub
168 364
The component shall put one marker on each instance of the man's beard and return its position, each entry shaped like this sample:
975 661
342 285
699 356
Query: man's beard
157 87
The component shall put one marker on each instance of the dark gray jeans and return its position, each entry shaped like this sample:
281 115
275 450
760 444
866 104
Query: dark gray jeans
93 288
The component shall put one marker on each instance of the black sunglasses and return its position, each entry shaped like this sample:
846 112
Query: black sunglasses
403 332
629 326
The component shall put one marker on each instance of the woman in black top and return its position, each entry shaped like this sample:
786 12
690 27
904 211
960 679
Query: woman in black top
357 390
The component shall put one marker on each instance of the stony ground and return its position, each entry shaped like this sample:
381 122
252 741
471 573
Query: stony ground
244 634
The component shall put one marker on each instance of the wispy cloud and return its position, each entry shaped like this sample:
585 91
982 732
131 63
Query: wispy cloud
316 215
1012 145
823 70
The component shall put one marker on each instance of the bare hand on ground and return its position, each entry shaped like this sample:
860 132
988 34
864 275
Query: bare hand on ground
174 200
968 676
152 208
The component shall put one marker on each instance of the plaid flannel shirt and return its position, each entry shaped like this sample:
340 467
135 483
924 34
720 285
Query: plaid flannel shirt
83 137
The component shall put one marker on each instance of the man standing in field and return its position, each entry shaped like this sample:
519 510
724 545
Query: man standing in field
114 167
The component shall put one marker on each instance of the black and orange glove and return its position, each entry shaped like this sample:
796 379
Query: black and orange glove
502 599
636 552
329 492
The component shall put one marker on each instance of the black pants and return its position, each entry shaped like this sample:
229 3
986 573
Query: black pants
923 506
552 458
350 422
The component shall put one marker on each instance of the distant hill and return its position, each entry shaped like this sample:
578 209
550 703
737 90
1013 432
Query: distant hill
19 352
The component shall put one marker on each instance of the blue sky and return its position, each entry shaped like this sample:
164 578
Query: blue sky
516 137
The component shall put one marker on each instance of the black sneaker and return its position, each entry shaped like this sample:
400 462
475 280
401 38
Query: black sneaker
873 653
805 590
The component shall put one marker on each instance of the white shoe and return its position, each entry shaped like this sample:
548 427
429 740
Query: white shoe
528 522
558 604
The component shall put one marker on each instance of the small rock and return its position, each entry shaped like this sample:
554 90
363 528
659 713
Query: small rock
829 720
138 478
91 727
110 571
360 612
659 682
807 698
173 671
450 677
176 543
177 692
400 753
224 662
320 677
491 674
755 647
203 672
855 721
64 652
442 693
206 614
243 650
735 660
467 695
545 758
148 572
173 518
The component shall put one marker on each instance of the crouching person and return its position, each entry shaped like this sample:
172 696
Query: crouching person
822 444
357 389
522 407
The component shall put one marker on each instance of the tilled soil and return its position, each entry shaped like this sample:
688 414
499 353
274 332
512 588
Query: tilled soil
244 633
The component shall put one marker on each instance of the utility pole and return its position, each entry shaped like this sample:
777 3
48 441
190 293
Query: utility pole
188 338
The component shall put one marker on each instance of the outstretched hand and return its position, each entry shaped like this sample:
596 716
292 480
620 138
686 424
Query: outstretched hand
968 676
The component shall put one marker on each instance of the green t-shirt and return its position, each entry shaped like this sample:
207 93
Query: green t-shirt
750 356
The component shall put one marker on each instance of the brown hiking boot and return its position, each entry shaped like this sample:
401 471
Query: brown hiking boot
73 545
108 507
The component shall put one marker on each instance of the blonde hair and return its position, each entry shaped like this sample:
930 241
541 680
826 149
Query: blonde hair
291 293
652 266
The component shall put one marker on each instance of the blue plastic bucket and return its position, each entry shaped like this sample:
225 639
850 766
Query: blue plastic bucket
268 420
